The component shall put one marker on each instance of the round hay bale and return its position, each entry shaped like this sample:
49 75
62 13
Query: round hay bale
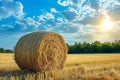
41 51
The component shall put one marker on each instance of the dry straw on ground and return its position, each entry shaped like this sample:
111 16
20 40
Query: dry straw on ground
41 51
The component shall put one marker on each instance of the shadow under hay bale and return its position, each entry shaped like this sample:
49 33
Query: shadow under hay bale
41 51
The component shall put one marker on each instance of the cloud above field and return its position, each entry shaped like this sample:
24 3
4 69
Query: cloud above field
76 20
10 8
114 14
74 14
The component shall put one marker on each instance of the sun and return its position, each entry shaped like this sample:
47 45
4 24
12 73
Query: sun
107 24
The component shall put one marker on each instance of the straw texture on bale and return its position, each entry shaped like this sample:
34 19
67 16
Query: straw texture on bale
41 51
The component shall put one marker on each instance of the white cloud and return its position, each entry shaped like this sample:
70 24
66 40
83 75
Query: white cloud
11 8
77 22
108 4
68 28
114 14
87 11
90 33
53 10
77 37
47 16
78 13
32 22
107 35
80 10
65 2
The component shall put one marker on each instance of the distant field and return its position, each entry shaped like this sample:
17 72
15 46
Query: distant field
84 66
7 62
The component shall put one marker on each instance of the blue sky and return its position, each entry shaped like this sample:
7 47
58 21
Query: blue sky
75 20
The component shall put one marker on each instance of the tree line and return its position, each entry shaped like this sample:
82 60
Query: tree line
95 47
2 50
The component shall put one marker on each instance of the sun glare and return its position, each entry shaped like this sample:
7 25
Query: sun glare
107 24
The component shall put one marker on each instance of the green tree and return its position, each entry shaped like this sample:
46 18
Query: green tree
96 47
2 50
86 47
106 47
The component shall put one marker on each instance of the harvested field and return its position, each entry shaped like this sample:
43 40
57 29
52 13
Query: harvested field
77 67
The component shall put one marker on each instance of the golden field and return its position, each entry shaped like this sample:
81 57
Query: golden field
77 67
